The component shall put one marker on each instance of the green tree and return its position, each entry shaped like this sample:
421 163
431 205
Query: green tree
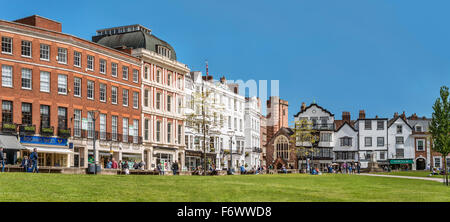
304 138
440 127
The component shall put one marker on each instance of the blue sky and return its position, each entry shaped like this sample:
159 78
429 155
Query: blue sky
380 56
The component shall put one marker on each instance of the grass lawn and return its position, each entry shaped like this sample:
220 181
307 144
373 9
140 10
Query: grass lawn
418 173
295 187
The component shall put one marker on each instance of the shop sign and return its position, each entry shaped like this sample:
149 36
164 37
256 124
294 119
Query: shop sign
401 162
44 140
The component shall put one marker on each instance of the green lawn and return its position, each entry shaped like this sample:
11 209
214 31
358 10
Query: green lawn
296 187
418 173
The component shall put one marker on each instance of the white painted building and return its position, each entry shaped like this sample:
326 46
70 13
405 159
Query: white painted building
252 129
400 143
227 137
372 138
346 144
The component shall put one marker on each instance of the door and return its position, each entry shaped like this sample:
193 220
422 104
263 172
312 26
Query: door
420 164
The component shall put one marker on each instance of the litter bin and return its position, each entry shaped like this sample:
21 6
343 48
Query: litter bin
91 169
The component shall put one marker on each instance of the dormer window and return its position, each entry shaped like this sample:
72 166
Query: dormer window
164 51
418 128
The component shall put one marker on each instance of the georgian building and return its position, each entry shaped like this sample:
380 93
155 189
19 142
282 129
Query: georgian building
162 91
252 131
372 139
54 85
225 138
323 123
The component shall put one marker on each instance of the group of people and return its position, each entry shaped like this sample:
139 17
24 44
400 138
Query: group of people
175 168
28 164
346 168
113 164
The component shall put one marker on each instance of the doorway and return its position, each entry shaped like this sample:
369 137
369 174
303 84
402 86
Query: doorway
420 164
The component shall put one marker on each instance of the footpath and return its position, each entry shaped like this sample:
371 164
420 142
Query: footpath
441 180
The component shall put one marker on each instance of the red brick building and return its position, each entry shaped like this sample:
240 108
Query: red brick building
54 84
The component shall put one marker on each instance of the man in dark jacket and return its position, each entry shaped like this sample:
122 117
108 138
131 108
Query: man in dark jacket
2 159
34 158
175 168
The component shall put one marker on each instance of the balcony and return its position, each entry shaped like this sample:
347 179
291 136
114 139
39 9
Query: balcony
64 132
47 131
27 129
9 127
107 136
328 126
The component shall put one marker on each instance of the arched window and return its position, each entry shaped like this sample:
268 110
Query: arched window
282 147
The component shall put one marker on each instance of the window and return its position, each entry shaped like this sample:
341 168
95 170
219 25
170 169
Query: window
26 78
27 114
114 69
44 53
77 87
421 145
367 124
125 72
77 123
235 124
180 128
240 125
380 125
102 92
62 55
62 84
6 45
90 62
158 76
437 162
169 79
368 141
114 128
62 118
169 103
135 100
90 89
7 111
146 129
158 100
125 97
45 81
169 132
380 141
399 128
113 95
103 126
399 153
282 148
382 155
77 59
346 141
229 122
136 131
399 140
146 72
26 48
158 131
325 137
102 66
125 129
146 97
135 75
91 127
45 116
7 76
180 105
419 128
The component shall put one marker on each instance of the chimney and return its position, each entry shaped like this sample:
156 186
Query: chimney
222 79
346 116
376 116
362 114
403 116
303 107
41 22
395 115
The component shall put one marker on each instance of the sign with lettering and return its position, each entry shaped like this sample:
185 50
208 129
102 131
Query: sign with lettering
44 140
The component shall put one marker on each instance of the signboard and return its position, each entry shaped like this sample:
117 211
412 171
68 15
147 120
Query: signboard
84 124
401 161
44 140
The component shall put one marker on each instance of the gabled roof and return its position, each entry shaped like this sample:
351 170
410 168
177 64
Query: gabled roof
392 121
282 131
313 104
342 125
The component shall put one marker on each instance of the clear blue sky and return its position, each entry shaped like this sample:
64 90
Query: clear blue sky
381 56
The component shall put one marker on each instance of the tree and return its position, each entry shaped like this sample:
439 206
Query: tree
204 117
440 127
304 138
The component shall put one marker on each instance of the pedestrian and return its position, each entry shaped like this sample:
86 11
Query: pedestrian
358 167
114 164
284 169
175 168
350 169
126 168
25 163
109 164
242 169
34 159
142 165
2 158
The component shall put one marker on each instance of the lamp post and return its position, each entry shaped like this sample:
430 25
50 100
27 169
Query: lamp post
231 133
94 118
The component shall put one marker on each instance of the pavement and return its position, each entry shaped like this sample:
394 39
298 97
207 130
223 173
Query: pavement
441 180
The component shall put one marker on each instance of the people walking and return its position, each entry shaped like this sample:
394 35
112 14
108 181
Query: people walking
126 168
114 164
2 159
358 167
25 163
34 159
350 169
175 168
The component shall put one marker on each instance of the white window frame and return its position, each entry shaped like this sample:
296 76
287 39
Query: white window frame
125 97
103 89
114 69
90 87
417 145
30 47
76 59
125 129
62 84
90 62
44 52
135 75
27 74
125 72
102 66
62 55
114 95
76 81
7 73
44 84
8 43
135 100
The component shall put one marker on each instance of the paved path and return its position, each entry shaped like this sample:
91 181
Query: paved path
405 177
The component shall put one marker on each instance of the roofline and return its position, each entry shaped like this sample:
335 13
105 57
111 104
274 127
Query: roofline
320 107
395 119
36 15
345 122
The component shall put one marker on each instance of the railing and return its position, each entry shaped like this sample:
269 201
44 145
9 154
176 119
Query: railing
47 131
27 129
64 132
107 136
326 126
9 127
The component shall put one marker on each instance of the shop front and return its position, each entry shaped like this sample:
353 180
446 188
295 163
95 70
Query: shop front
193 159
401 164
52 151
12 148
164 157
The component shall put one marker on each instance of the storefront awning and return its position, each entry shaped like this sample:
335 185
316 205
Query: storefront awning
131 155
10 142
401 161
50 150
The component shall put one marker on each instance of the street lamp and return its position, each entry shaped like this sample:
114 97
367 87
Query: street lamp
231 133
94 118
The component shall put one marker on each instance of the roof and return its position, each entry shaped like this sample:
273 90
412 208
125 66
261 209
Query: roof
392 121
313 104
425 123
284 131
340 123
135 40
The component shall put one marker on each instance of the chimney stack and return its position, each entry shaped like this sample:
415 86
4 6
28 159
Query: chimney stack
362 114
346 116
303 106
222 79
395 115
403 116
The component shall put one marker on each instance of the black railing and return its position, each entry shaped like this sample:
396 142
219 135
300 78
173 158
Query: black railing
107 136
64 132
26 129
9 127
47 131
